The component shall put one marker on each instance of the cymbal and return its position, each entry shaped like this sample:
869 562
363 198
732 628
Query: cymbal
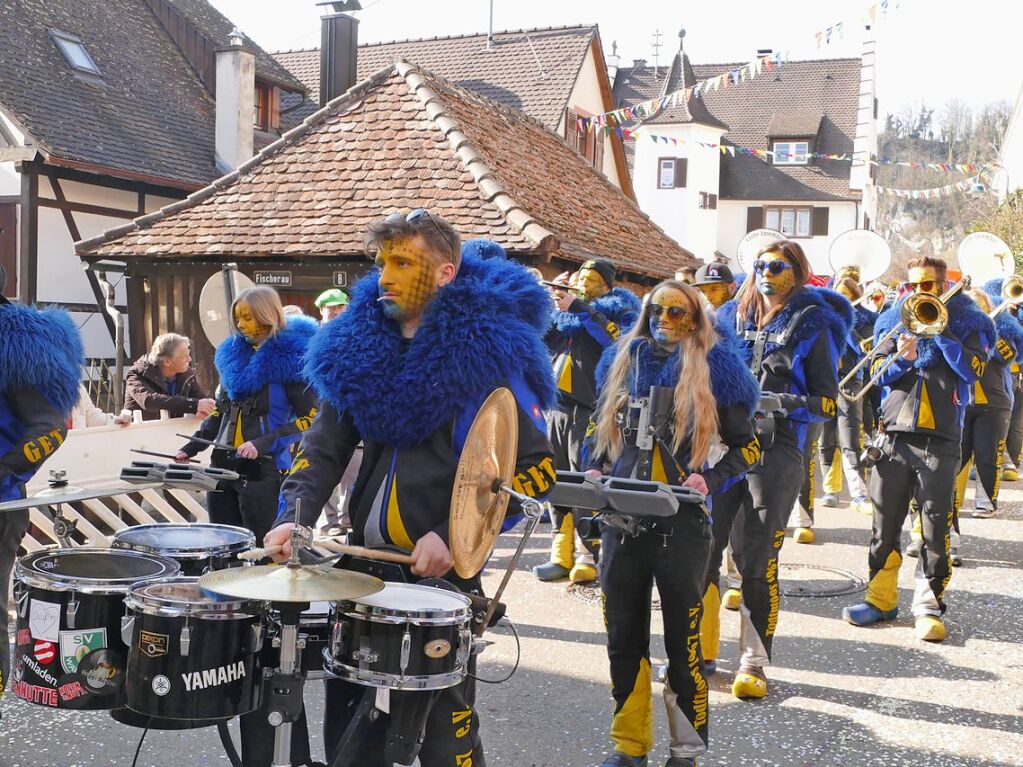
487 462
281 583
70 494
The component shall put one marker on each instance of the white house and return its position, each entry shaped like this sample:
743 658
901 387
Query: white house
708 200
1009 176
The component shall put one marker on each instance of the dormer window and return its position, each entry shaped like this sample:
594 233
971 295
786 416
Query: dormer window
261 117
74 51
791 152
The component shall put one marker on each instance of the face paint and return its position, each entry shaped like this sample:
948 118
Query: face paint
670 316
248 325
845 293
590 284
920 276
407 278
776 284
717 293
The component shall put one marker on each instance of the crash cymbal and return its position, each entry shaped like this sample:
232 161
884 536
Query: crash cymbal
486 463
282 583
70 494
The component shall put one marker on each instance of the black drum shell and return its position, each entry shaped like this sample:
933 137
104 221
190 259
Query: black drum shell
214 643
351 634
193 564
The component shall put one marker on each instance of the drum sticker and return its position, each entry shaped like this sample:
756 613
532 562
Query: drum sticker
38 670
101 671
44 620
75 645
161 685
45 652
153 645
43 696
71 691
214 677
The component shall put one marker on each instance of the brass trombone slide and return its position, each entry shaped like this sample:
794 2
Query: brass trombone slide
923 315
1012 295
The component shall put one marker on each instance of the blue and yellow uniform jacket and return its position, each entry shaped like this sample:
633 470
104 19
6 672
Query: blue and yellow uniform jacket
411 401
41 361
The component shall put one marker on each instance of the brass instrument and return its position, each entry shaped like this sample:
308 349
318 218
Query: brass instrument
922 315
875 296
1012 295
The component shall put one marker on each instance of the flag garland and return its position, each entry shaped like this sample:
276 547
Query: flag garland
941 191
869 15
646 109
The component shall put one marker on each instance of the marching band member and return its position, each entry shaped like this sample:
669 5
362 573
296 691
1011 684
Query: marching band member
924 395
673 345
41 360
792 336
987 417
1014 440
425 339
842 438
587 320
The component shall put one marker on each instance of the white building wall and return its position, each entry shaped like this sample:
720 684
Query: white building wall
586 96
732 228
677 211
1010 176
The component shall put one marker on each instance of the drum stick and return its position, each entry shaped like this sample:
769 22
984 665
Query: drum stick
334 547
255 554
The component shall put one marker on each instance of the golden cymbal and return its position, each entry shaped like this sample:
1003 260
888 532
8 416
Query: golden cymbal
281 583
486 463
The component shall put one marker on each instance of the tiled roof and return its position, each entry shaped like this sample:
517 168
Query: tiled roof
795 124
148 115
680 77
403 139
532 70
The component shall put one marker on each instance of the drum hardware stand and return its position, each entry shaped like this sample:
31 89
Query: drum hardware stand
63 528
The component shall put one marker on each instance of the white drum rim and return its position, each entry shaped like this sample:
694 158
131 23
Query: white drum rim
120 541
32 578
365 607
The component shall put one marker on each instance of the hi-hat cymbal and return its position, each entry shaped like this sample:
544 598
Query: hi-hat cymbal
71 494
280 583
486 463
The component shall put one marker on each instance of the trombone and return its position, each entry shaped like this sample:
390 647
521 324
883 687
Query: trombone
1012 295
922 315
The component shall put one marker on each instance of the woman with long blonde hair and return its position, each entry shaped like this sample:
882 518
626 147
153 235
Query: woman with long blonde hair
702 439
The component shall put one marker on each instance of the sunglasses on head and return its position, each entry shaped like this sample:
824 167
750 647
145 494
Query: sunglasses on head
674 312
925 285
417 215
774 267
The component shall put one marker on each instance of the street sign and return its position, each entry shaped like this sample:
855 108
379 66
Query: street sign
273 279
340 279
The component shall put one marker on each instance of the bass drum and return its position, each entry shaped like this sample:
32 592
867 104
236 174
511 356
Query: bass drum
69 652
198 547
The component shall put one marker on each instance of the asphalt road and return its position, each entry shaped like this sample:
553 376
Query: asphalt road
840 696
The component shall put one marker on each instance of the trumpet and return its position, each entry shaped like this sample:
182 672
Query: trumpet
1012 295
922 315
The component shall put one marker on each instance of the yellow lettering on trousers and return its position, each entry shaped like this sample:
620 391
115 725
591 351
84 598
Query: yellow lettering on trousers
700 698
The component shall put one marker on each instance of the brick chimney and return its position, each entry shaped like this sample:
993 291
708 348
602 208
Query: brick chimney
339 49
236 102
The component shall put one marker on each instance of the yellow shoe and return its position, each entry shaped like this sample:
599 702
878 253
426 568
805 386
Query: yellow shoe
804 535
747 686
732 599
582 573
930 629
1009 474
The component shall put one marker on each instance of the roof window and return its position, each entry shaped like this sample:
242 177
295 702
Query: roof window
74 51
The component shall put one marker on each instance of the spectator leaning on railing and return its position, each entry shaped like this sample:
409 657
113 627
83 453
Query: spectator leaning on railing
164 380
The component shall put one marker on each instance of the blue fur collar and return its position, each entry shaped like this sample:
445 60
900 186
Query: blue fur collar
833 313
730 379
864 317
244 371
964 318
41 349
994 290
620 306
481 330
1009 329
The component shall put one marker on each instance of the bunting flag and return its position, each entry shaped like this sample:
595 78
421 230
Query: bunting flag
647 109
869 16
941 191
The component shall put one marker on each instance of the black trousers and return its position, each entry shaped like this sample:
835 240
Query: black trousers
773 487
249 504
921 468
13 526
845 433
1014 440
677 562
984 433
807 491
566 428
727 527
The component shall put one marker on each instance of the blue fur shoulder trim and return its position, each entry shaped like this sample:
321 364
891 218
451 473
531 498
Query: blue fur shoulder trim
41 349
994 290
833 313
480 331
620 306
965 317
1010 329
864 317
244 371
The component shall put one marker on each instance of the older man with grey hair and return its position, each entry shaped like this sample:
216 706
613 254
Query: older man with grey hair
164 379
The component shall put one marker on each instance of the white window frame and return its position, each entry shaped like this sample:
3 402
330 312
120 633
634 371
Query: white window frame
791 152
74 51
774 218
663 164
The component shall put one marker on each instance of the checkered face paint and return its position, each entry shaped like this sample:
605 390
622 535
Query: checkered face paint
408 278
717 293
248 325
671 316
776 284
590 284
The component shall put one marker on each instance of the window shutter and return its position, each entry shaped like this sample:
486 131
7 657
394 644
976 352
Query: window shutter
713 202
820 222
572 129
681 166
598 153
754 218
275 108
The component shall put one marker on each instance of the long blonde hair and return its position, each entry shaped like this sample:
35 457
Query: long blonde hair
695 409
265 304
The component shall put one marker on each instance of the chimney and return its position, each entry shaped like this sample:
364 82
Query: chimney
761 52
339 48
613 62
638 63
236 102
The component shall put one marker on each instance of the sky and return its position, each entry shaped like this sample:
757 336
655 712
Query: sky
928 51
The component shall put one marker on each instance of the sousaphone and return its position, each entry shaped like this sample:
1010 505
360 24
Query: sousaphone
860 254
753 243
985 256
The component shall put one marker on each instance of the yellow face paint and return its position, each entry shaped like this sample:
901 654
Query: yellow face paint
590 284
671 316
248 325
924 279
717 293
407 278
846 293
776 284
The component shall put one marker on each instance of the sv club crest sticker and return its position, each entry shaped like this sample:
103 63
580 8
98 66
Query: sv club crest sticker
75 645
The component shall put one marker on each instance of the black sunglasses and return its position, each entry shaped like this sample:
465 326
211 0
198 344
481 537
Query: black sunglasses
416 215
674 312
925 285
774 268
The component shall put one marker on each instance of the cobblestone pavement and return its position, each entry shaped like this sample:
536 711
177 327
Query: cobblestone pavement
840 696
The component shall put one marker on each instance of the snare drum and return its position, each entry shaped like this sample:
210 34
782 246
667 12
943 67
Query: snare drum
406 637
199 547
69 652
190 656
